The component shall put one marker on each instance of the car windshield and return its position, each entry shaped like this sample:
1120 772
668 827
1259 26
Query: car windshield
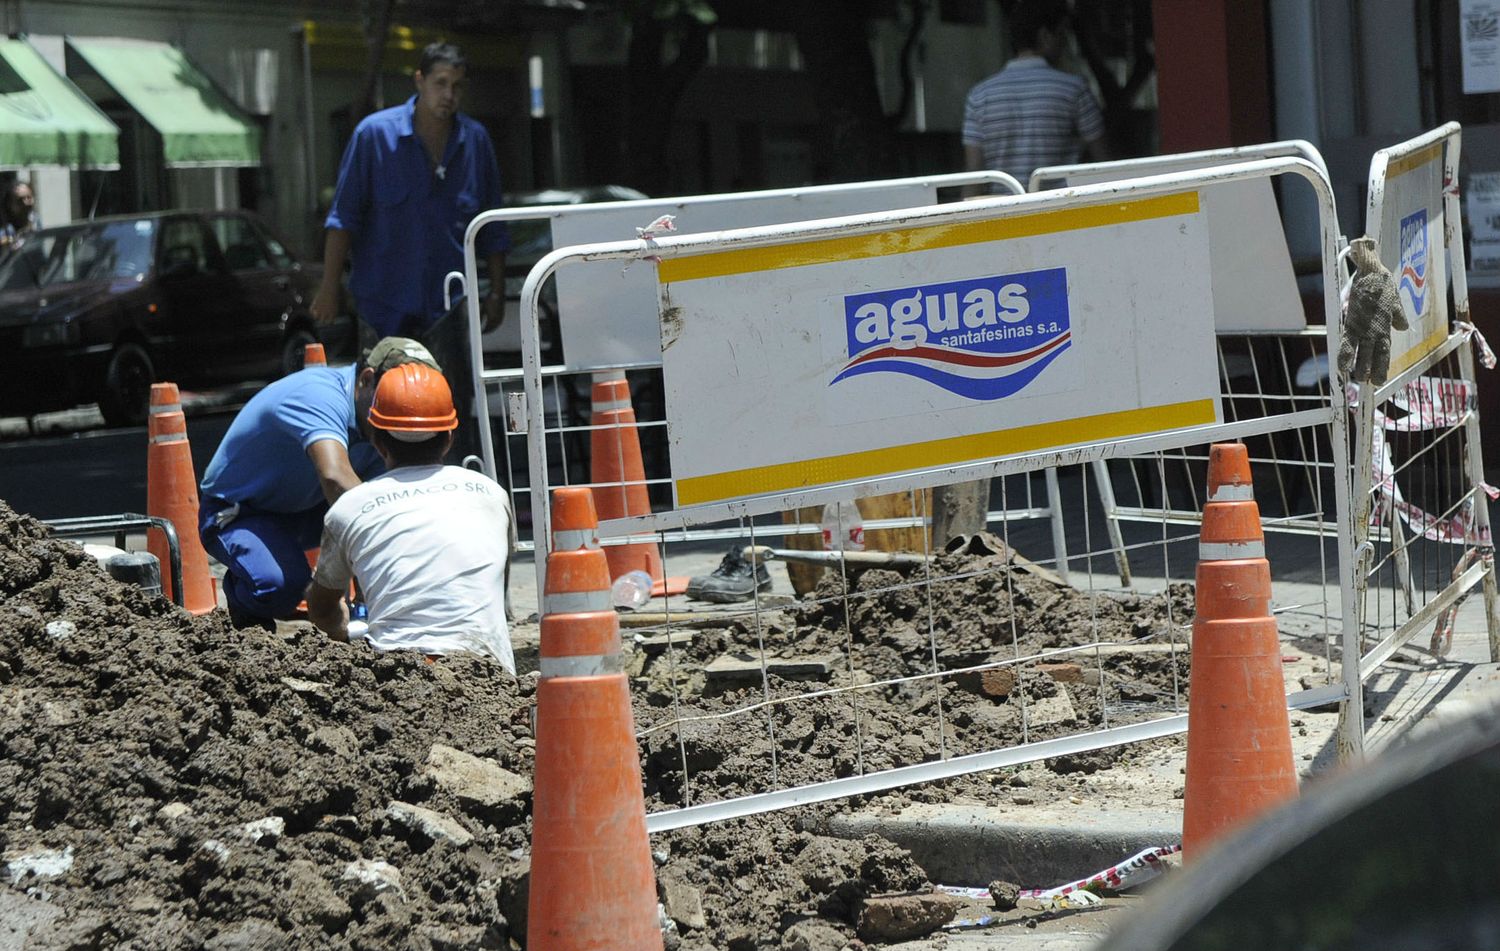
92 252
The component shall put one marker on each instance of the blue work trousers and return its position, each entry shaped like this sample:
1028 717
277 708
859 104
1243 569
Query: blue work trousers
264 554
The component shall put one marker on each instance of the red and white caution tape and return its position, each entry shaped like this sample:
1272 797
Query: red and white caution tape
1426 404
1460 528
1442 632
1136 870
1486 355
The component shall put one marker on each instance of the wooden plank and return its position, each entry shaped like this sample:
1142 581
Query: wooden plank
895 505
731 667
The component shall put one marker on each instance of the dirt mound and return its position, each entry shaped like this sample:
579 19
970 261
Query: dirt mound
169 782
988 618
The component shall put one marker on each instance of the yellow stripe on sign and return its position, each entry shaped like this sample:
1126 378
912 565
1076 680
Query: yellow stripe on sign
1404 164
1409 358
790 476
927 238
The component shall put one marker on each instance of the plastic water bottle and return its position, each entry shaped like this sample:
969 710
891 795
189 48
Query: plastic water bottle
631 590
843 528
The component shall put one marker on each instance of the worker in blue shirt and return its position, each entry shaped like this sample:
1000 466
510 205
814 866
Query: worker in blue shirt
411 180
297 446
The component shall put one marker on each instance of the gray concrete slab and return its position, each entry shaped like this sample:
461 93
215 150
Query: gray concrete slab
1035 847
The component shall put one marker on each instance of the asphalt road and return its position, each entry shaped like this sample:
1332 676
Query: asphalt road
72 465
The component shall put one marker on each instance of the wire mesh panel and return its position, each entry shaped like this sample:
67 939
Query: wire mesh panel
1263 376
1427 535
902 668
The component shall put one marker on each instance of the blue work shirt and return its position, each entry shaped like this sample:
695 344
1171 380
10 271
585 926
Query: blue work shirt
407 221
262 462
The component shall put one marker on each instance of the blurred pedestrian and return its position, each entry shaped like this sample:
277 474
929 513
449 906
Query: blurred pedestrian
1031 114
429 543
295 448
412 178
18 208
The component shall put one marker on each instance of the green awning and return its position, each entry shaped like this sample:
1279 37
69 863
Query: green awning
45 120
200 126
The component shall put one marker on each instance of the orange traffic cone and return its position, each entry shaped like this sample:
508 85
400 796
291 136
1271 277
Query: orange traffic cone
172 493
1239 747
313 356
619 477
592 882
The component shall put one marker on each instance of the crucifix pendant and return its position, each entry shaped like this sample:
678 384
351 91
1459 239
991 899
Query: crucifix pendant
441 172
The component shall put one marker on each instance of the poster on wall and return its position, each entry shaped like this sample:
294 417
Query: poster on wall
837 360
1482 206
1479 29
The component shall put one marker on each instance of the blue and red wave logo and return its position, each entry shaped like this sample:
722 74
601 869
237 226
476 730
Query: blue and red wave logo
984 338
1411 278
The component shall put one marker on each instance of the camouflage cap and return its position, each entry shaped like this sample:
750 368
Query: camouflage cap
394 351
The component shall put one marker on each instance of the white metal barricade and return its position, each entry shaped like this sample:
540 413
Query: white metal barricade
1263 336
1422 525
559 396
698 504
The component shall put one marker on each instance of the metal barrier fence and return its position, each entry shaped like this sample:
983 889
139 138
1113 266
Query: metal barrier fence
836 728
1421 503
1419 430
565 390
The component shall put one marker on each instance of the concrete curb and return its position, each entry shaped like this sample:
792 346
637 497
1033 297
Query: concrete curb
975 845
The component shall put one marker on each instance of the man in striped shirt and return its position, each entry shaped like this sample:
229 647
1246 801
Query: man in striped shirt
1029 114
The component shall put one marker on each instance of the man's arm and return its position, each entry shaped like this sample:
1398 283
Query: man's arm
327 611
974 162
331 461
325 305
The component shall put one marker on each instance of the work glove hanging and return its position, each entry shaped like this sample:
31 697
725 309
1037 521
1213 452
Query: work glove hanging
1373 308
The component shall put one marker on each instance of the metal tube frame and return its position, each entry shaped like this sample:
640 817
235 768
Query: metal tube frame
1333 415
119 525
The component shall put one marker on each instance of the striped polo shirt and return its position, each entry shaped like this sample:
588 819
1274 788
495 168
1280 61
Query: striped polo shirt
1030 115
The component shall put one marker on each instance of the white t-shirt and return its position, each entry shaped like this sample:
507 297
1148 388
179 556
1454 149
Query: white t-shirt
429 546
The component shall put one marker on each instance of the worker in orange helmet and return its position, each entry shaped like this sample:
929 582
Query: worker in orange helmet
429 543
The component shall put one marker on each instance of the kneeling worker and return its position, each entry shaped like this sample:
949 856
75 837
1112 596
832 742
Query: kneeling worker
296 447
428 542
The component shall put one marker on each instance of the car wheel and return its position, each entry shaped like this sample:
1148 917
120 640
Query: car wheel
126 399
294 349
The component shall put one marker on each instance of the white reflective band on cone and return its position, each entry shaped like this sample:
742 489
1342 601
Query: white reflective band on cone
1228 551
610 406
165 408
582 665
577 602
169 437
1233 493
572 539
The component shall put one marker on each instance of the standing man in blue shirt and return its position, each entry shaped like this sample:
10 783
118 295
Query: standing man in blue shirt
411 180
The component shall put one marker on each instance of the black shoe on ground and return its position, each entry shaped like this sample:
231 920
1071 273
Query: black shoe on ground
734 580
243 621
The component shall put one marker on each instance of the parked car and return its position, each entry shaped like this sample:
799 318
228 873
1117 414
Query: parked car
97 311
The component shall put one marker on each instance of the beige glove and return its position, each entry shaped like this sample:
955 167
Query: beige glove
1374 307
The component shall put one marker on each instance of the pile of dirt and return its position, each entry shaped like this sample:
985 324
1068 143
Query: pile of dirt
170 782
982 613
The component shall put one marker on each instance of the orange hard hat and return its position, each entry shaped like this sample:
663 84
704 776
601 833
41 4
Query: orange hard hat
413 398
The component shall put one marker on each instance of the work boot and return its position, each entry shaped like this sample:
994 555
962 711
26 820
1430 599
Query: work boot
240 621
734 580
